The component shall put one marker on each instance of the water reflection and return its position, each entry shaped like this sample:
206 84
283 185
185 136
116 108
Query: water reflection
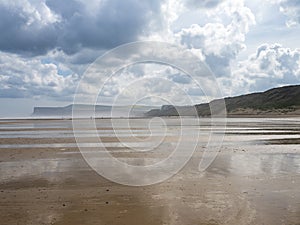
249 164
40 168
263 177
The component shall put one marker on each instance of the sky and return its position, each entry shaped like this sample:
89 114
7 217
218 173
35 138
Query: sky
46 46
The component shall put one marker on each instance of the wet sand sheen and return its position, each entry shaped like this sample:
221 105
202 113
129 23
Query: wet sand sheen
246 184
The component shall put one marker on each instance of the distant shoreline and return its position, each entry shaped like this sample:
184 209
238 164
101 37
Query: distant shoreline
149 117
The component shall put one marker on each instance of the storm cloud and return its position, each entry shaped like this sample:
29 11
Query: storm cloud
34 28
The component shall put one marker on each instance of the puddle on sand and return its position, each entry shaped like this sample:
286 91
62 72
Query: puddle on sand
270 181
251 164
64 190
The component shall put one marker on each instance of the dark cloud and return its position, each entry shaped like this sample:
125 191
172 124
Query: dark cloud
195 91
77 25
19 36
203 3
180 78
220 65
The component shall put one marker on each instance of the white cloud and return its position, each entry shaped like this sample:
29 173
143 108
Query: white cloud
290 8
223 39
23 77
35 13
271 66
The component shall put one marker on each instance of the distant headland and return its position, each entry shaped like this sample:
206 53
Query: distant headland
281 101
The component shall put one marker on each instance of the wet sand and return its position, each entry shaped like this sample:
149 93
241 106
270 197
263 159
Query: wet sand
255 178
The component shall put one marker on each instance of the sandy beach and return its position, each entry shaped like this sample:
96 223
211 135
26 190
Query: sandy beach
254 179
